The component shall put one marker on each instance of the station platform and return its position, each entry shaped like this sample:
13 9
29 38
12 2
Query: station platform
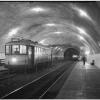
83 83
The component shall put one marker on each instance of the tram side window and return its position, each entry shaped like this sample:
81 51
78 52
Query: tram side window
36 52
30 50
7 49
15 49
23 49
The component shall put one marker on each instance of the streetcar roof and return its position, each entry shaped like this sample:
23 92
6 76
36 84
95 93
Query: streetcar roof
25 42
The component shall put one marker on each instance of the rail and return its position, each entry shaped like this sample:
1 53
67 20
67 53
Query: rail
37 89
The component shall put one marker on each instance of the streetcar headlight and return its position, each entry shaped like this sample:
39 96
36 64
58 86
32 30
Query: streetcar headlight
14 60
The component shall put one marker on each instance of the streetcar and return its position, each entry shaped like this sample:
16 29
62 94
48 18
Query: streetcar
24 53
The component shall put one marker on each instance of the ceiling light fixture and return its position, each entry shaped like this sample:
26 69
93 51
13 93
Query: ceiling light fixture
38 9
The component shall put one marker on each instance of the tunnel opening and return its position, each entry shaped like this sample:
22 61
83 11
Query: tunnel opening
71 54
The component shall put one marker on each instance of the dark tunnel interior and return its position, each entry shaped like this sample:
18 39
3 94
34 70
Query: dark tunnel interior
71 54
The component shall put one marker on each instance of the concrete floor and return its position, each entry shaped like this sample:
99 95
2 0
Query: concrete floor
83 83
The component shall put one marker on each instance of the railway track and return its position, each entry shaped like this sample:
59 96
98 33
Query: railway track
6 75
40 87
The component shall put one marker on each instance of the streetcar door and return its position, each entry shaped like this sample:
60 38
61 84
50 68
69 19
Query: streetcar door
31 55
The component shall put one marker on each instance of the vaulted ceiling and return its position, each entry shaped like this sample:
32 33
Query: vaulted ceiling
52 23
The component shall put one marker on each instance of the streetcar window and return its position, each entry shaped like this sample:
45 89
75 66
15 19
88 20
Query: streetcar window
15 49
36 52
39 51
23 49
7 49
30 50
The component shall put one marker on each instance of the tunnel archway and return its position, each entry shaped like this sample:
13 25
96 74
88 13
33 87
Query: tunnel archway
71 54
